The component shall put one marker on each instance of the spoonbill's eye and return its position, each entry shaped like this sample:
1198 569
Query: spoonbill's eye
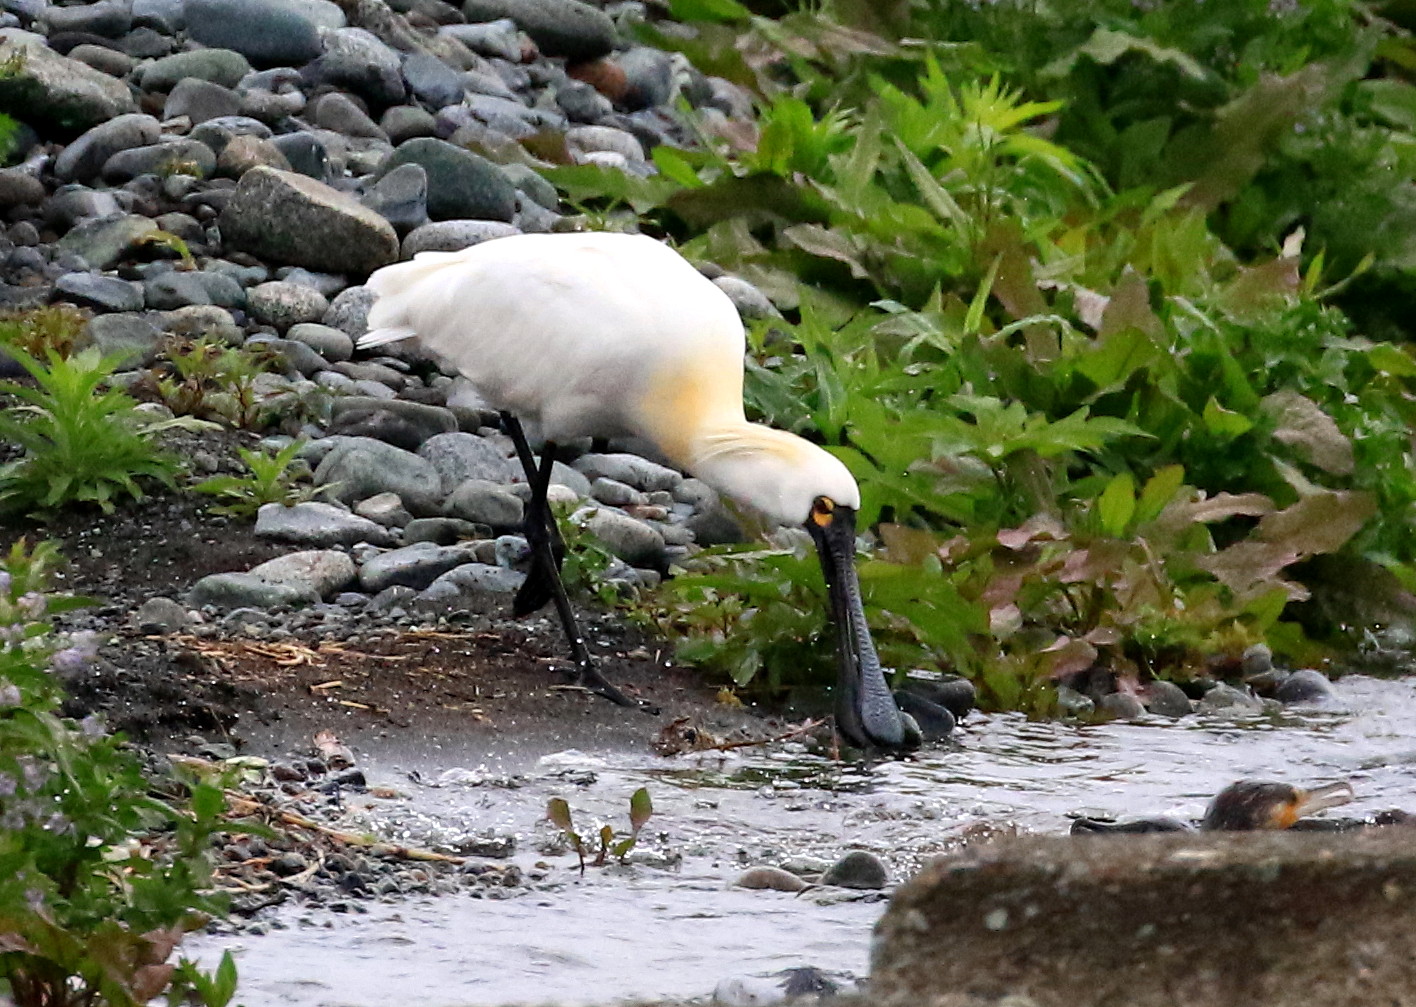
821 510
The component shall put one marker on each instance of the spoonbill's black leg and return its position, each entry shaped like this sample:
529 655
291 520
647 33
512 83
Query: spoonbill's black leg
536 590
547 548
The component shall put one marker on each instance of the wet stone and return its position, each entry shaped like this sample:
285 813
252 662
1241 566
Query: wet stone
1167 699
1121 705
161 615
484 502
857 869
106 293
1226 698
317 524
769 879
415 566
1304 686
244 590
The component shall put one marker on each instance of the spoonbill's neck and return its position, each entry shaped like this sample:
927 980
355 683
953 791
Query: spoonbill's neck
776 473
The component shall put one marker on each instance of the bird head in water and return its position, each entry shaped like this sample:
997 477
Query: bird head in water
1251 805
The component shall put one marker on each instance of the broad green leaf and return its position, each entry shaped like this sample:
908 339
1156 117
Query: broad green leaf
1224 423
673 165
558 813
640 808
1158 491
1117 505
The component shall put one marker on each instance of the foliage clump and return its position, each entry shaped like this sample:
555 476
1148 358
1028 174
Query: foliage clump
1092 299
82 440
269 478
99 878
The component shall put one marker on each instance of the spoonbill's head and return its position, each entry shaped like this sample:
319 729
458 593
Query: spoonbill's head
791 481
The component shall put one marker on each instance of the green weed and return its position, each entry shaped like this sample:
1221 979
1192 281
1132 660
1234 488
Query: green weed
640 810
270 478
208 379
82 442
100 880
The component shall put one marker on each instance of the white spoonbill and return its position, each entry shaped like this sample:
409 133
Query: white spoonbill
604 335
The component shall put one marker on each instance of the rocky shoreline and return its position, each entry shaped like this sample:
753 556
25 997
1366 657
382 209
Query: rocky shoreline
230 172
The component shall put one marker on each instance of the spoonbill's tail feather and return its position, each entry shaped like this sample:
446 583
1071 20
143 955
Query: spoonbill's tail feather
389 317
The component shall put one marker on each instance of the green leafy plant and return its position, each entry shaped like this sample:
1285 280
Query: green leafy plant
270 478
208 379
82 442
640 810
171 242
54 327
99 879
1051 276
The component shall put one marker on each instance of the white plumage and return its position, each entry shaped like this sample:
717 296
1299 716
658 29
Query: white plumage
614 334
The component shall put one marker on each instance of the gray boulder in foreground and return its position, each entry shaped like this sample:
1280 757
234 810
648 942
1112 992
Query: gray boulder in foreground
315 523
361 467
246 590
299 221
1200 920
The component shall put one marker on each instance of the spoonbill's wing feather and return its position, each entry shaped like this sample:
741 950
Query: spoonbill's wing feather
567 329
394 286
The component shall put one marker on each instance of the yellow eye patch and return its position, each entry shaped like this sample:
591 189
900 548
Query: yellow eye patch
821 511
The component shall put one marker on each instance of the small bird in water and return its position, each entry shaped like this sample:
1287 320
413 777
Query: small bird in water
607 335
1245 806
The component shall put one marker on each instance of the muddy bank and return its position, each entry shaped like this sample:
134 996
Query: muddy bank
474 685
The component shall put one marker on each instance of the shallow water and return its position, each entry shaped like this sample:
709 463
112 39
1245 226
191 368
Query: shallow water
647 931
